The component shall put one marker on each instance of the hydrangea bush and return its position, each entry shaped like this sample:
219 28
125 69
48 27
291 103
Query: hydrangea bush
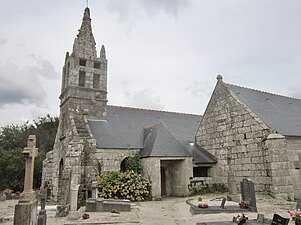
128 185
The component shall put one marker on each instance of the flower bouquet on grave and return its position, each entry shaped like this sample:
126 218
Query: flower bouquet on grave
203 205
242 204
85 216
296 216
240 218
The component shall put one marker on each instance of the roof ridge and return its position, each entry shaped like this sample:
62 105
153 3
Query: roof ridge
265 92
155 110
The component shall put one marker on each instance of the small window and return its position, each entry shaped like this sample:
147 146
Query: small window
64 122
96 80
82 62
97 65
82 78
200 171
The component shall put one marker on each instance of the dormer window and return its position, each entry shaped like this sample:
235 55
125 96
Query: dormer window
82 62
97 65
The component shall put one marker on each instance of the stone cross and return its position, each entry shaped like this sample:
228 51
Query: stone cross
30 152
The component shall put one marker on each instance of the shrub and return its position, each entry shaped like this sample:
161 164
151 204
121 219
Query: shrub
128 185
133 163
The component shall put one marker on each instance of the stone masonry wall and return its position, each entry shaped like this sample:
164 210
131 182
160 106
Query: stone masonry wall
111 158
235 136
177 174
278 170
151 170
294 156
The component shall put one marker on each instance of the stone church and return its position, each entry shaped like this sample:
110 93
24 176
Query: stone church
254 134
249 133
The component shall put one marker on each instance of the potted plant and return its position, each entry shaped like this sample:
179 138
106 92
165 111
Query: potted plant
296 216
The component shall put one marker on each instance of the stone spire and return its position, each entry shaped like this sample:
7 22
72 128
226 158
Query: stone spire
84 43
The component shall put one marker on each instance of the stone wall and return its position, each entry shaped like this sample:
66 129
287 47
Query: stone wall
236 137
64 167
151 170
201 184
294 156
177 173
278 167
111 158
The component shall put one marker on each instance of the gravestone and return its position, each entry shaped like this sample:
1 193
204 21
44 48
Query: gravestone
42 218
248 194
279 220
26 209
260 218
94 190
298 206
233 195
223 203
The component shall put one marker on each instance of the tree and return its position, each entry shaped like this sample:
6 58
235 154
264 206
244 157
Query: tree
13 139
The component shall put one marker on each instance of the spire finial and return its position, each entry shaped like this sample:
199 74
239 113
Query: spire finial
87 1
219 77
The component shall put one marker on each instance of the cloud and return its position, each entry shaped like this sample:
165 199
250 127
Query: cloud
172 7
145 98
295 91
43 68
3 41
199 89
132 8
23 84
19 85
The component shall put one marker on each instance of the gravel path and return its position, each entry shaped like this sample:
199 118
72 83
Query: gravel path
169 211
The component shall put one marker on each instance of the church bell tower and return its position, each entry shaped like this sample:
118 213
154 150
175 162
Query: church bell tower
83 97
84 77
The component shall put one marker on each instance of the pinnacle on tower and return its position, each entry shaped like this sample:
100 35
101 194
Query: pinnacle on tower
84 43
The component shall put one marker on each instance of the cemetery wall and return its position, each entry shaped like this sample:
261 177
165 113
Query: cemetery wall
236 137
200 185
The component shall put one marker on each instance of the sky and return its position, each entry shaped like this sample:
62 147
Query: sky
162 54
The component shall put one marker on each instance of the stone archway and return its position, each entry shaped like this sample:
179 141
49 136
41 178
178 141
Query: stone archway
123 164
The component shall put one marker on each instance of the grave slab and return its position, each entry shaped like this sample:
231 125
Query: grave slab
194 209
249 222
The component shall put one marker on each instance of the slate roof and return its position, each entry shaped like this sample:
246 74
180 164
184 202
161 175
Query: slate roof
281 113
156 133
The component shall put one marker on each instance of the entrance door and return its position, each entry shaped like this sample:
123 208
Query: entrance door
163 182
